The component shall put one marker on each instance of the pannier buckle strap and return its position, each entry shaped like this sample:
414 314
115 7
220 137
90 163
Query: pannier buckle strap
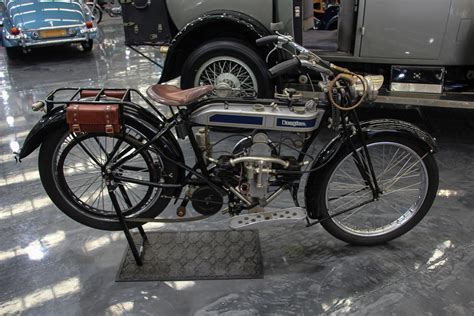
109 129
76 128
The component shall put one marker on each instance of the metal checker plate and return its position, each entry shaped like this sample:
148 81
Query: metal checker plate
195 255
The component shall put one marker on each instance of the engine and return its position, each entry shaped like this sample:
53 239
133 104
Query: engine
278 116
251 168
256 173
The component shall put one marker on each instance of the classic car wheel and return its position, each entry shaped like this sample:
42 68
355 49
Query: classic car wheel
228 65
87 46
13 52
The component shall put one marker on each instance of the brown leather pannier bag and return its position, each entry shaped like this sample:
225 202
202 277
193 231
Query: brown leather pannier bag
94 118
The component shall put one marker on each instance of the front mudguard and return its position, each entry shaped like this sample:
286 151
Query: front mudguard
371 129
56 119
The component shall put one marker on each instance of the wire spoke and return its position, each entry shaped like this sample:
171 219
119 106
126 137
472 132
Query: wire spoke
402 176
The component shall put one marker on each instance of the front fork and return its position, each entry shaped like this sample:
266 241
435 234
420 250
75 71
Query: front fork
362 158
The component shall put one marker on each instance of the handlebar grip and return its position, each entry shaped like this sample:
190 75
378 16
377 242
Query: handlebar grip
270 39
284 67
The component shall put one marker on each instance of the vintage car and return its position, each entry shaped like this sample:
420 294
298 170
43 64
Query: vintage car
425 49
33 23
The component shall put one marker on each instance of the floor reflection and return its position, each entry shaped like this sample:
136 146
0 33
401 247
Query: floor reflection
35 250
42 296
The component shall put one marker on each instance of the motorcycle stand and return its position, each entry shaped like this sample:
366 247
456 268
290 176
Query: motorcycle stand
137 253
245 244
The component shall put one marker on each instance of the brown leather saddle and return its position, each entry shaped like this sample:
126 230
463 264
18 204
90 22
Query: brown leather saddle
173 96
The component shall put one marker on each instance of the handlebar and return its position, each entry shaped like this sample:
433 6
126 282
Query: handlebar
267 40
366 87
319 65
284 67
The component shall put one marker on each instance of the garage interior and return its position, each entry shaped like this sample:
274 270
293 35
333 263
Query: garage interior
49 264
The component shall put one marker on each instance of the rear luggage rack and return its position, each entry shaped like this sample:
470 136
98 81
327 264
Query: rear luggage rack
100 96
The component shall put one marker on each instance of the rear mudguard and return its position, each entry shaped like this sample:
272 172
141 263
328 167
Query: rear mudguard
56 118
370 129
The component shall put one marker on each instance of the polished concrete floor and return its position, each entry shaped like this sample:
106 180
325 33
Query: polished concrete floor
49 264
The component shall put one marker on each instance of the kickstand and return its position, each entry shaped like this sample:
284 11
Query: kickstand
137 253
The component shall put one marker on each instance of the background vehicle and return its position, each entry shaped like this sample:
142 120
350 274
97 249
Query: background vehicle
28 24
326 14
112 8
420 50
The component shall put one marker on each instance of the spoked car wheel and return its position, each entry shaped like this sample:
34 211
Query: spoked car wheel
74 174
226 73
407 177
232 67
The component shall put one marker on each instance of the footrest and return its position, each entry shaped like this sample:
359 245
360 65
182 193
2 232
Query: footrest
292 213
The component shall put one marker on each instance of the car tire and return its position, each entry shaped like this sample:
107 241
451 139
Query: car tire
234 53
13 52
87 46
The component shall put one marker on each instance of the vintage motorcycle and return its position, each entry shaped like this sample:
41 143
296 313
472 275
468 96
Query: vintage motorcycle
108 154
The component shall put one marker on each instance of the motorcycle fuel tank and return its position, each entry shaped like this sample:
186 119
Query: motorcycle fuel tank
265 116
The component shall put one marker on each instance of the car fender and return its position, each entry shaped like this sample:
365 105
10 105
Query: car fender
177 52
7 25
371 129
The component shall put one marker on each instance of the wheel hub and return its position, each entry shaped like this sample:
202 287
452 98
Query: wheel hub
223 90
229 79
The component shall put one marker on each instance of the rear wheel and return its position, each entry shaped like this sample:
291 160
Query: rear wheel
13 52
228 65
407 176
87 46
72 171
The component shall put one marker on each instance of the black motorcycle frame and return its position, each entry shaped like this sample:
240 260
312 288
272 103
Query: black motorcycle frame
55 116
349 129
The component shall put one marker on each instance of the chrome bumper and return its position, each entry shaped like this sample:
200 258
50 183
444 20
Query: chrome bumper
55 41
24 41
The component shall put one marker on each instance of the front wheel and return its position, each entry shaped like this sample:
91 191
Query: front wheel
230 66
407 176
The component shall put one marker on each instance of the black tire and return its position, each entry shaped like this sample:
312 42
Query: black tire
96 11
14 52
318 184
87 46
234 49
64 199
